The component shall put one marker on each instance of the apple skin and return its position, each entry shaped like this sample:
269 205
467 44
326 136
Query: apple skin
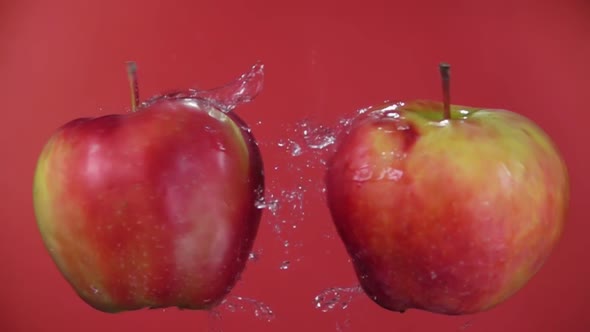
450 217
151 209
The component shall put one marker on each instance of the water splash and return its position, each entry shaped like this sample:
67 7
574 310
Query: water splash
227 97
286 202
238 304
286 210
317 137
240 91
270 204
336 298
306 146
284 265
244 304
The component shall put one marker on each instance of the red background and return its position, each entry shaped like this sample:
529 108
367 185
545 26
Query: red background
61 60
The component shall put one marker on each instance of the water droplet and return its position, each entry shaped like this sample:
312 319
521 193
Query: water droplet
391 174
220 146
270 204
336 297
284 265
244 304
260 203
363 174
317 137
273 206
255 255
364 110
94 289
295 149
263 312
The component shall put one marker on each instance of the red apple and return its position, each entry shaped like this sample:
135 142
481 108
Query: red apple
446 208
153 208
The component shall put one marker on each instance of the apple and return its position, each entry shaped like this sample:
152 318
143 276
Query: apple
445 208
156 207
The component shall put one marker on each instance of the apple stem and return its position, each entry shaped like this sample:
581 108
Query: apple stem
133 86
446 86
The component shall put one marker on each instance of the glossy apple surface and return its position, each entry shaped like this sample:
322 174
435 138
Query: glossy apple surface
153 208
449 216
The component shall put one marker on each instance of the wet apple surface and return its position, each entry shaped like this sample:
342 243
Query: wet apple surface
447 215
151 208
